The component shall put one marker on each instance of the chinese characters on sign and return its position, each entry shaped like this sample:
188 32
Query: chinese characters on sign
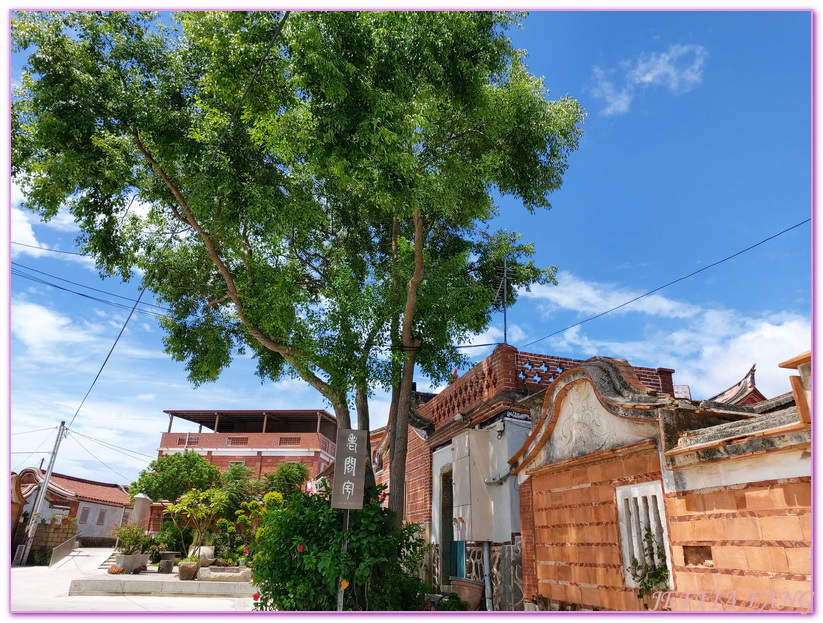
349 468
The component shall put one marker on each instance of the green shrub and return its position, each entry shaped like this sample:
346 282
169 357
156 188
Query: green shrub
39 557
451 602
174 540
299 561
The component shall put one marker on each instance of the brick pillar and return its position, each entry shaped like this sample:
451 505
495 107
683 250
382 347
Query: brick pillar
666 384
527 541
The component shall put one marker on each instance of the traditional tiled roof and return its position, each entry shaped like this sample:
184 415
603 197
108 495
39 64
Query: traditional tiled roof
73 488
742 393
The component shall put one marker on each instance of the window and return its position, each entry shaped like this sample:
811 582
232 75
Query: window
188 440
289 441
101 517
236 463
84 515
643 534
237 441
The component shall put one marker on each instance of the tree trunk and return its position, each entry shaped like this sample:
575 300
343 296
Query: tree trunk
397 479
361 403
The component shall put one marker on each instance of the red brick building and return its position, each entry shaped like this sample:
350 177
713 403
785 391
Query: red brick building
457 484
559 471
260 440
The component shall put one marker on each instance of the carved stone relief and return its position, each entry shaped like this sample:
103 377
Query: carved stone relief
584 426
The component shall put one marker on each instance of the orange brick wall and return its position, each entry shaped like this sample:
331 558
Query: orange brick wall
759 537
576 532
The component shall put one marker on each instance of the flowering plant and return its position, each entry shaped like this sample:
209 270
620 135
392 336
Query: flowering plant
131 538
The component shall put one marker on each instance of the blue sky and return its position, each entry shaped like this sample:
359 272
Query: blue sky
697 144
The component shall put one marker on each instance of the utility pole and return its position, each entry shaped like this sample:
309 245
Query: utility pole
41 494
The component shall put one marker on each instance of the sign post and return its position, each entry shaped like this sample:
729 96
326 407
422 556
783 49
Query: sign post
349 482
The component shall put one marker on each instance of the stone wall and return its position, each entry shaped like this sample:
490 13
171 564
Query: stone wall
48 536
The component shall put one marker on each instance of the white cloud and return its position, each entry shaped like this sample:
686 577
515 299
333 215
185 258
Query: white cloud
590 297
47 335
711 352
680 69
618 102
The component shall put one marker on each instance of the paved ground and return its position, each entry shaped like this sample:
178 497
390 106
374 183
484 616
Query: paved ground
44 589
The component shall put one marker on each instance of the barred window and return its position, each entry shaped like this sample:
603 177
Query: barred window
643 535
289 441
237 441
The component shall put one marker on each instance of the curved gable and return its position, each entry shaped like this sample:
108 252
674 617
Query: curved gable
596 406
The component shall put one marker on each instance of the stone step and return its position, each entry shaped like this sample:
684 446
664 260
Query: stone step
108 562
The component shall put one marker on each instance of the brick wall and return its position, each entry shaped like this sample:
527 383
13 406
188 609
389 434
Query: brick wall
527 541
507 370
577 558
418 480
752 540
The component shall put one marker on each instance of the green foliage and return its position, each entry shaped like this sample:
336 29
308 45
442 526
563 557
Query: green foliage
131 538
653 574
39 557
299 560
451 601
175 539
239 486
170 476
201 509
284 246
288 478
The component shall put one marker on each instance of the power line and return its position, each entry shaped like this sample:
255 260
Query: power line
25 432
35 450
96 459
113 447
194 193
74 283
145 312
31 246
637 298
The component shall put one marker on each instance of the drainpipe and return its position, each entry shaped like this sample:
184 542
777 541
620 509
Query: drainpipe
487 574
499 479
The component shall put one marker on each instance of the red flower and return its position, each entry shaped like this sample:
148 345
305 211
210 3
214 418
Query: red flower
247 549
256 596
255 521
300 548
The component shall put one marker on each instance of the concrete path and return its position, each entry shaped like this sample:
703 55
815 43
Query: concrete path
44 589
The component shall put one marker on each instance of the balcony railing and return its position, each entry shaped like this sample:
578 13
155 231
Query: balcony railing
215 441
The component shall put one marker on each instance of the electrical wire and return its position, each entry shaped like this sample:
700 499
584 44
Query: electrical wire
194 193
31 246
145 312
35 450
26 432
637 298
114 447
96 459
74 283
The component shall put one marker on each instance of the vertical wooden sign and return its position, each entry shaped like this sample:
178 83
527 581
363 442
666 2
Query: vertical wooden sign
350 468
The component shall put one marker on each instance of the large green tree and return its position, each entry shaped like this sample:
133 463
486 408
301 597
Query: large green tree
332 226
170 476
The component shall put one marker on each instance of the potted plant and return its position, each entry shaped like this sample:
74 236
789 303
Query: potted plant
131 542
